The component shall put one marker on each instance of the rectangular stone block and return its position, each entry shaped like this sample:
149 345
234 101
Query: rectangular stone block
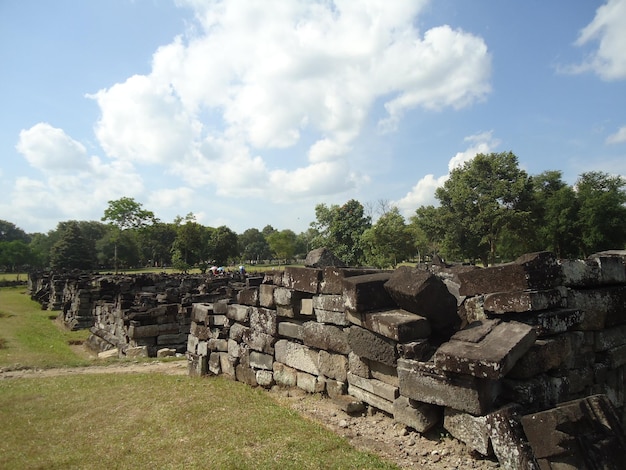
263 320
539 392
197 365
367 292
610 338
552 322
266 296
424 382
199 311
398 325
214 344
535 271
302 279
594 271
200 331
217 320
260 360
371 399
524 301
310 383
331 317
332 278
146 331
491 356
220 307
214 363
383 372
248 296
469 429
239 313
332 303
603 307
285 375
297 356
290 329
373 386
306 307
328 337
180 338
334 366
420 416
369 345
544 355
259 341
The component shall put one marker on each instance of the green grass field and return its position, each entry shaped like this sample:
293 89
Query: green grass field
142 421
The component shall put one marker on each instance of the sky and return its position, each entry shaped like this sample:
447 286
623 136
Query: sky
249 113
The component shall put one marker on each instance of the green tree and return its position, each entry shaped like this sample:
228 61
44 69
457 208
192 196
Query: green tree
126 213
480 200
389 241
15 254
155 243
429 229
72 250
222 245
602 213
9 232
253 246
282 244
340 229
190 244
40 246
118 247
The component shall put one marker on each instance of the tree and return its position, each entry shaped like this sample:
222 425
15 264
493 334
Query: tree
480 200
15 254
9 232
72 250
125 213
187 249
155 243
602 213
282 244
253 246
389 241
222 245
340 230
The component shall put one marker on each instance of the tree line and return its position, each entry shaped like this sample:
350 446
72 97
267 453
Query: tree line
489 210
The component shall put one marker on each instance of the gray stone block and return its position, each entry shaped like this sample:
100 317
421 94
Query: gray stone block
328 337
367 292
420 416
334 366
369 345
297 356
302 279
398 325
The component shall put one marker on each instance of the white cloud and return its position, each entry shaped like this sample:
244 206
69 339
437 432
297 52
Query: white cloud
618 137
608 28
48 148
255 76
423 193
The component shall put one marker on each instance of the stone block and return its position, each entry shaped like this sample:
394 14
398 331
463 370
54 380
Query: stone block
254 281
329 302
297 356
603 307
306 307
583 433
334 366
610 338
358 365
420 416
217 320
524 301
196 365
201 332
552 322
285 375
214 363
332 278
539 392
490 356
236 332
371 399
327 337
384 373
472 309
203 348
469 429
310 383
331 317
263 320
322 258
422 293
418 350
261 361
535 271
544 355
246 374
234 348
594 271
220 307
259 341
398 325
508 440
238 313
266 296
373 386
192 344
199 311
335 388
424 382
290 329
369 345
215 344
302 279
264 378
248 296
180 338
367 292
146 331
110 353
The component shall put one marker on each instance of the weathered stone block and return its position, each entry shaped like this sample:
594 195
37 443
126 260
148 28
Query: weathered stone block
327 337
539 392
322 258
384 373
369 345
285 375
214 363
610 338
332 278
306 307
201 332
424 382
260 360
594 271
367 292
263 320
531 271
422 293
508 440
603 307
248 296
544 355
331 317
302 279
220 307
259 341
524 301
290 329
552 322
297 356
264 378
310 383
266 295
239 313
135 332
246 374
334 366
236 332
358 365
200 311
335 388
469 429
215 344
417 350
333 303
398 325
197 365
180 338
373 386
583 433
490 356
420 416
371 399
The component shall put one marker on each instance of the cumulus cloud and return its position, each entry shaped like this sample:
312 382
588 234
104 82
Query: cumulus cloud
423 193
251 77
618 137
608 30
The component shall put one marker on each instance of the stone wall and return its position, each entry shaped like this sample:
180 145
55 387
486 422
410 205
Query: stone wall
526 360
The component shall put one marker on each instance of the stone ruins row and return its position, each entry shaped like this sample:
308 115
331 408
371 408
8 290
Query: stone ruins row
524 360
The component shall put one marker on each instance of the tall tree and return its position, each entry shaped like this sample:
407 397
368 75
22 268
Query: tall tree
126 213
253 246
602 213
389 241
155 243
15 254
283 244
9 232
190 245
72 250
222 245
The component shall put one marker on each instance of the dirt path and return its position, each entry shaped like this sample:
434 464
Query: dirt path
374 432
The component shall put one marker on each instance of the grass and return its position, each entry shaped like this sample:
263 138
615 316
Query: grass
30 338
159 421
142 421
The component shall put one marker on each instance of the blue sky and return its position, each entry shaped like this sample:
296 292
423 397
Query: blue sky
248 113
